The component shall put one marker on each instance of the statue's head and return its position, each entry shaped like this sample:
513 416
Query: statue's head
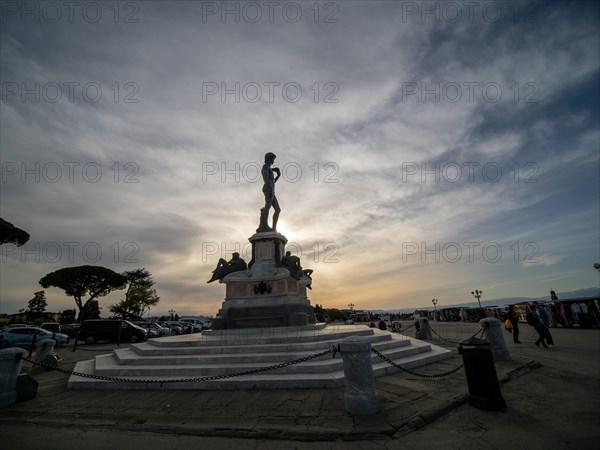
235 255
270 157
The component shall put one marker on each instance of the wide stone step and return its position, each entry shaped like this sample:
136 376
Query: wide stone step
268 380
263 336
123 357
262 381
178 363
120 365
150 348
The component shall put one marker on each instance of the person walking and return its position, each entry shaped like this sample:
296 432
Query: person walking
514 320
533 319
545 318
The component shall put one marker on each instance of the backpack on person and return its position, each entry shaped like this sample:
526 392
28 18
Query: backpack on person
530 318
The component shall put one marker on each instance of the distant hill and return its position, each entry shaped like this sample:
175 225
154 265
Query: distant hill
580 293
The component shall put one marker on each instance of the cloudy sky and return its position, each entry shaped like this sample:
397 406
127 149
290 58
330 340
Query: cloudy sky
427 148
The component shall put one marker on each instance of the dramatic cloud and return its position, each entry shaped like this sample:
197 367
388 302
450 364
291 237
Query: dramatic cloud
426 149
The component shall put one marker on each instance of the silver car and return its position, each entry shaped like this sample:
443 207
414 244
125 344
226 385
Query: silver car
24 336
175 329
155 329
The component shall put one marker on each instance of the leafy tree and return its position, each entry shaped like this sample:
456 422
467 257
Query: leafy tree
143 298
11 234
90 311
38 303
68 316
78 281
336 314
122 309
138 301
140 295
139 277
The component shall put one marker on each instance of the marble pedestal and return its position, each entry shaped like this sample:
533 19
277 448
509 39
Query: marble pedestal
265 295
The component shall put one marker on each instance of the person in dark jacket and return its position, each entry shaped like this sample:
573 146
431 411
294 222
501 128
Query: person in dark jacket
545 319
514 320
534 319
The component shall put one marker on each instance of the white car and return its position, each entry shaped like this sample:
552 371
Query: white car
155 329
198 324
24 336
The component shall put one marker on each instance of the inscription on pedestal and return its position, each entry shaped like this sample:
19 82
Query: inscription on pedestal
264 251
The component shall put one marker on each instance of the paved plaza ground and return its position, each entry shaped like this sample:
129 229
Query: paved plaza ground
553 398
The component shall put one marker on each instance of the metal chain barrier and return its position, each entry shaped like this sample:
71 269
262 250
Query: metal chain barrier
454 342
407 328
332 350
424 375
412 372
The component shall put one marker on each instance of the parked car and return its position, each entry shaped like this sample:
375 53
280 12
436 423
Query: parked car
198 324
111 330
154 329
175 328
15 325
186 328
196 327
162 331
71 329
53 327
151 333
24 336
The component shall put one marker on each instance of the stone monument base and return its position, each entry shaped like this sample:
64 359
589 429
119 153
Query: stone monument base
267 294
265 316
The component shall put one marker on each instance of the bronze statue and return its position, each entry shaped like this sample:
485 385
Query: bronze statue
269 192
224 268
292 263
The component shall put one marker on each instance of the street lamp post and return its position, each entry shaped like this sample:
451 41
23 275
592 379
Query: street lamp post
435 302
477 294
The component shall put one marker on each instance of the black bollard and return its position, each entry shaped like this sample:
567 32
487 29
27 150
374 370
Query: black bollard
484 389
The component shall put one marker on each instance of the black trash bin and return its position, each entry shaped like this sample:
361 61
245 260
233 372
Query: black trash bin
484 389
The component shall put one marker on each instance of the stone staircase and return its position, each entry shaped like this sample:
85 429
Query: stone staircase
221 352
